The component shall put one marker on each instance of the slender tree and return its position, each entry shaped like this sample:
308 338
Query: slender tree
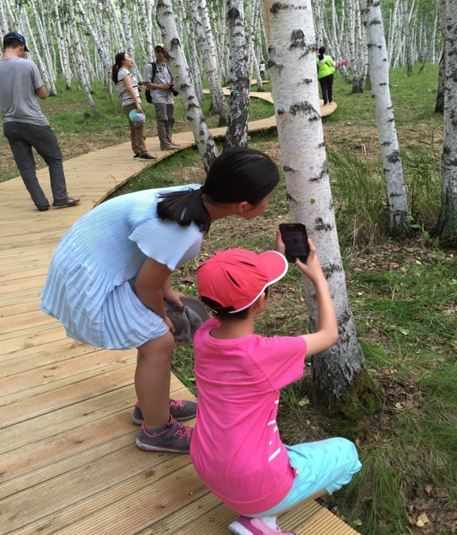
397 201
237 130
183 80
447 223
340 371
200 19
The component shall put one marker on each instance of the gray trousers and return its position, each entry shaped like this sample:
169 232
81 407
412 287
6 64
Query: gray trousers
22 137
165 117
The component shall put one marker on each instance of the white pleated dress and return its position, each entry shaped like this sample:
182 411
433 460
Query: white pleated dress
89 287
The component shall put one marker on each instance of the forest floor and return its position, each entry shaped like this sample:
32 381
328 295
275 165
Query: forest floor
403 294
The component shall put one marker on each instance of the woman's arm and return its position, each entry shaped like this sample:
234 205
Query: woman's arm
149 283
172 296
131 92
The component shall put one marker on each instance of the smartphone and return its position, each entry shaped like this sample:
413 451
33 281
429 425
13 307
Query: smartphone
295 239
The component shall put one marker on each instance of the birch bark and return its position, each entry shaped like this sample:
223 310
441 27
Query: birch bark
447 223
199 15
237 130
393 171
79 57
184 83
3 21
292 51
406 28
430 50
64 61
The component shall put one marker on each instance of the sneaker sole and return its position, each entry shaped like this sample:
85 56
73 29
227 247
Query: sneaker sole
137 421
148 447
237 529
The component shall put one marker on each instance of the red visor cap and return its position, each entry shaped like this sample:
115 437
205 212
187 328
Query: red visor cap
237 278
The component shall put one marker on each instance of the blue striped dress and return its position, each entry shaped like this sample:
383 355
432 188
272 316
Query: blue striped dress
89 287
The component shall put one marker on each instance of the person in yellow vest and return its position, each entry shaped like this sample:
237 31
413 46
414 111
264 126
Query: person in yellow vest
325 70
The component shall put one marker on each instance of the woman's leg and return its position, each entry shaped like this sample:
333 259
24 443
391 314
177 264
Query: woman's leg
323 82
330 87
127 109
152 380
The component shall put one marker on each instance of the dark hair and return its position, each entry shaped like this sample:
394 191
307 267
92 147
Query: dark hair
239 174
223 313
115 70
321 53
10 42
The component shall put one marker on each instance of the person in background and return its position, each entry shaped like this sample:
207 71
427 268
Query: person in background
25 126
325 70
262 70
127 88
157 77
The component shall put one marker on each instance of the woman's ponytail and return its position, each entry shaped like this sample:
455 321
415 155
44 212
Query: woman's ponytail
185 207
238 175
115 69
321 53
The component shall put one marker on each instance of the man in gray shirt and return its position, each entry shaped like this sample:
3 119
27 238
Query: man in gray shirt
25 126
158 79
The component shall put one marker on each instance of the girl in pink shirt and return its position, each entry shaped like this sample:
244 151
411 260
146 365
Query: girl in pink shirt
236 448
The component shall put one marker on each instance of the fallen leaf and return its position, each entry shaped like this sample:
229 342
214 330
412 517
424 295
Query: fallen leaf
428 488
420 524
357 522
303 402
423 518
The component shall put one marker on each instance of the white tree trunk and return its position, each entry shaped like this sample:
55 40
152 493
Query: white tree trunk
408 44
128 35
447 223
37 56
98 40
182 78
292 47
79 57
396 192
199 15
237 130
3 21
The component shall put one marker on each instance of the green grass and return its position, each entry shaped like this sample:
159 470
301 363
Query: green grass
413 98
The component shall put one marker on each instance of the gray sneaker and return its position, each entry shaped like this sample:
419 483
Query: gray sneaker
180 410
174 439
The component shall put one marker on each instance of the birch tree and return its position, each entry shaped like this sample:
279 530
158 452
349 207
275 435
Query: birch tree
79 57
407 41
200 19
397 201
339 371
447 223
237 130
182 78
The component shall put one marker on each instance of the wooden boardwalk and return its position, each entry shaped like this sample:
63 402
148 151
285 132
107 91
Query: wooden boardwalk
68 463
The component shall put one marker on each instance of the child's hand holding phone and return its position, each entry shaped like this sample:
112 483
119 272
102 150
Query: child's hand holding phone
312 268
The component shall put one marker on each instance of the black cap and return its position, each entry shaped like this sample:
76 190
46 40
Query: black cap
18 37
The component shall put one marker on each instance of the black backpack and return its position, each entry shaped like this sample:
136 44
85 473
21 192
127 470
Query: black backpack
154 72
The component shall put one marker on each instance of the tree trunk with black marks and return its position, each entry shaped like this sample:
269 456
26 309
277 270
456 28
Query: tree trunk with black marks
79 58
198 12
447 222
182 78
237 130
439 107
397 201
292 48
407 32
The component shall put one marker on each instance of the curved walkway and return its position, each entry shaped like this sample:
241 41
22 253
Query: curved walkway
68 462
